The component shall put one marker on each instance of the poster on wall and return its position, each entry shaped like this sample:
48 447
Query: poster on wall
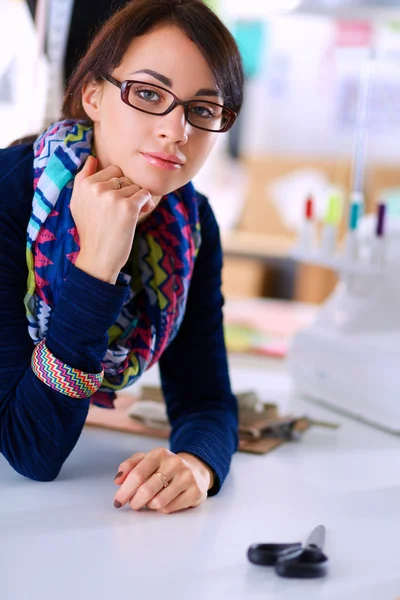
251 38
360 54
384 100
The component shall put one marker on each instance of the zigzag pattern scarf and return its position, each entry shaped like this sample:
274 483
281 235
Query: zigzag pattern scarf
163 256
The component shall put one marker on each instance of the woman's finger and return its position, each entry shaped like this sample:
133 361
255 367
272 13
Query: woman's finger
89 168
126 467
152 488
165 495
128 190
137 476
120 183
106 174
184 500
141 473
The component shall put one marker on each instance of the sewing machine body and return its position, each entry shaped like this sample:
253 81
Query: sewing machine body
349 357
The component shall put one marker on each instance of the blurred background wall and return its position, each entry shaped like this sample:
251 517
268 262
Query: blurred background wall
304 64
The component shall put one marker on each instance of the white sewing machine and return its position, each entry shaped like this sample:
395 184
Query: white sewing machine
349 358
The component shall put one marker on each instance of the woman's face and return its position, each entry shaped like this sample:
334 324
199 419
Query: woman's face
125 137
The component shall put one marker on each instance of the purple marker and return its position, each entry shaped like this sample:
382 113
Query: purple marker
379 242
380 223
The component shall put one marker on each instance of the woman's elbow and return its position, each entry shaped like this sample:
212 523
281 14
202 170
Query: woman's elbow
44 476
36 471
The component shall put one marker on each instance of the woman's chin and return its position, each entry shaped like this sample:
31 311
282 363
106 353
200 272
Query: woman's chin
158 184
157 191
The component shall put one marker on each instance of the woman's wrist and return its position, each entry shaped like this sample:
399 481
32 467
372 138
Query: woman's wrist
205 470
94 269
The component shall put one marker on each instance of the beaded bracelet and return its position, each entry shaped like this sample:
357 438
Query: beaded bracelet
62 378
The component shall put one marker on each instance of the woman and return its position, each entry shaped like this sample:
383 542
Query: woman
122 263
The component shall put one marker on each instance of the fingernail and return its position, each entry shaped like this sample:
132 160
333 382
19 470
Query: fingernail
148 206
118 475
117 504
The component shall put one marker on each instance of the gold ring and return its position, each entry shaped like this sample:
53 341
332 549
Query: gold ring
163 479
118 181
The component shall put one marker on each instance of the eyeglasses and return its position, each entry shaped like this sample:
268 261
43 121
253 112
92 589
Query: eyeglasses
156 100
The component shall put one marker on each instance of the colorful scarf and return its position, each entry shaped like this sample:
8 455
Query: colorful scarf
163 255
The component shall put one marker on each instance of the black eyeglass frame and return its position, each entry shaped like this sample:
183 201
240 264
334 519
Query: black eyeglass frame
125 86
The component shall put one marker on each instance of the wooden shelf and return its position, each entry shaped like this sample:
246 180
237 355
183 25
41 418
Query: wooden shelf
256 245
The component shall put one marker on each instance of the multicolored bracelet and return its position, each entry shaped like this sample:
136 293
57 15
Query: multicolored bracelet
62 378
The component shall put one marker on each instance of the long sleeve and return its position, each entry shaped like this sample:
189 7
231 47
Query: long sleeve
39 427
193 369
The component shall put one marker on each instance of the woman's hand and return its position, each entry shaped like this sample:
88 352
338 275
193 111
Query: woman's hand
105 218
188 480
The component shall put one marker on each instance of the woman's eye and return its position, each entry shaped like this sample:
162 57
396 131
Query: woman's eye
202 111
148 95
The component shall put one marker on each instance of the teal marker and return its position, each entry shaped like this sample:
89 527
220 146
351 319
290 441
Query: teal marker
354 216
351 250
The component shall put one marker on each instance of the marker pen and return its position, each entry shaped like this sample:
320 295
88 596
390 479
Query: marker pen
351 249
378 247
307 236
331 222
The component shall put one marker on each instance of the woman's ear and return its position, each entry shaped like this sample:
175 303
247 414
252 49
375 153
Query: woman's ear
91 98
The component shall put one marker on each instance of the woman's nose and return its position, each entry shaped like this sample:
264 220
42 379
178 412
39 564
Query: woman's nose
174 126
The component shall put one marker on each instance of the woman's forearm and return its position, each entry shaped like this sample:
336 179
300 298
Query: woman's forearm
40 426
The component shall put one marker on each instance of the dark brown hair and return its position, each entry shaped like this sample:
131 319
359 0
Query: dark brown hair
139 17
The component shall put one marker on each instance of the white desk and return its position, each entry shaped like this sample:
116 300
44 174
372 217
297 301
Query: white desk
64 540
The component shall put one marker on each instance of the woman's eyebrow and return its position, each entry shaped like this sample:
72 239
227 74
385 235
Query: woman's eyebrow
168 82
165 80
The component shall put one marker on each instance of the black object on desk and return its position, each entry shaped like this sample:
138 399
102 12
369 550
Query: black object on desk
294 560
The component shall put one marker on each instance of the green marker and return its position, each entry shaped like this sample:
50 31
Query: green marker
331 223
334 212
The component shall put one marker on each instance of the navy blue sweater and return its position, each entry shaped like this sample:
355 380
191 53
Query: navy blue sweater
39 427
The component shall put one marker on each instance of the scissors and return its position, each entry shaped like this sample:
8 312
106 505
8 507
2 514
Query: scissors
294 560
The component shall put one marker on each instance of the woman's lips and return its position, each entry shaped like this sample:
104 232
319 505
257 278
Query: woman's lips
167 165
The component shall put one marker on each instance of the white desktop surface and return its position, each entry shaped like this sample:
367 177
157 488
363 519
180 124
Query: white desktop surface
64 540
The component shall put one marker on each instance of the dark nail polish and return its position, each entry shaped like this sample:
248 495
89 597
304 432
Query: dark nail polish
118 475
117 504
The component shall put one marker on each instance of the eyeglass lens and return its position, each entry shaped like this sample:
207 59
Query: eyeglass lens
206 115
